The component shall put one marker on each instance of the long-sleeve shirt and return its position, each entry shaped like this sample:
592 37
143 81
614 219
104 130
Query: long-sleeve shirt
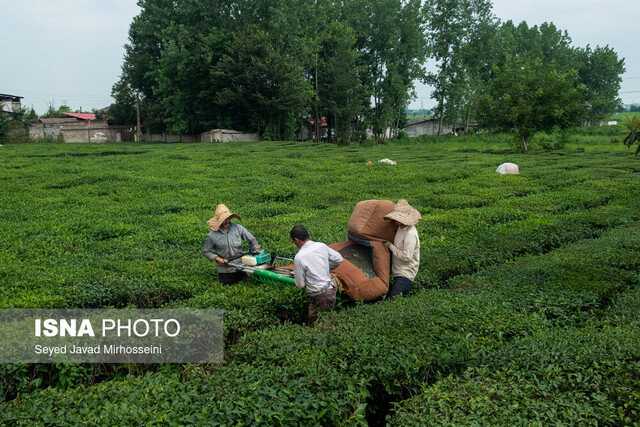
405 253
227 245
312 263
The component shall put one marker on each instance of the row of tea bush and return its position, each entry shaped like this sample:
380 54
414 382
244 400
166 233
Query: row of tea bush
520 342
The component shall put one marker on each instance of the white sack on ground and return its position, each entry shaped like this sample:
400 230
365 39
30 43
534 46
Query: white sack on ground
389 161
508 168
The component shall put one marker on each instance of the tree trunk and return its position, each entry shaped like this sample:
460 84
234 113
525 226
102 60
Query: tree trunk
317 121
400 113
444 76
523 144
466 126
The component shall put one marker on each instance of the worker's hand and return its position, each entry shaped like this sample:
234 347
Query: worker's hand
221 260
387 245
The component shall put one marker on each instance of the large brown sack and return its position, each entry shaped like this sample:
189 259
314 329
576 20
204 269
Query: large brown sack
367 221
354 282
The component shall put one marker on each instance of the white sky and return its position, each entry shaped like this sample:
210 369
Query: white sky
71 51
588 22
63 51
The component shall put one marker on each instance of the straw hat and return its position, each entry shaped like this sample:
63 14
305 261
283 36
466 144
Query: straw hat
222 213
404 213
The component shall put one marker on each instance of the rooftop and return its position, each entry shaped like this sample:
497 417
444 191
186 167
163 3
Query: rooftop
81 116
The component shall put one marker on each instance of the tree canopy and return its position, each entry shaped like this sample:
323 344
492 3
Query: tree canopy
527 96
266 66
271 66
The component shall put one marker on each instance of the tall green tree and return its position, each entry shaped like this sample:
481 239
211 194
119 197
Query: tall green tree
142 54
184 87
392 52
339 90
347 61
258 88
600 71
123 110
453 26
529 96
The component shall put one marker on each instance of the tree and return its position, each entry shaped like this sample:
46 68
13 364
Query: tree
53 112
195 64
31 114
529 96
453 26
392 51
4 124
600 71
142 55
632 123
184 86
16 117
123 111
340 91
260 89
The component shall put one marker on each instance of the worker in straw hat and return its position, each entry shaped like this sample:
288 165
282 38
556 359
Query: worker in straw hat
405 249
224 241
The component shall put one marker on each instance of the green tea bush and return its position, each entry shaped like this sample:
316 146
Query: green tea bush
567 285
295 375
243 395
516 265
587 375
252 306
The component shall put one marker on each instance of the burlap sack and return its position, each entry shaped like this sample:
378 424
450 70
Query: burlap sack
367 221
354 282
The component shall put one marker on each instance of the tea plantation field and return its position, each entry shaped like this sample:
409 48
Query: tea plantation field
525 310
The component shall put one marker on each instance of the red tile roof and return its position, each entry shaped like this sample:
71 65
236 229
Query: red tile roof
82 116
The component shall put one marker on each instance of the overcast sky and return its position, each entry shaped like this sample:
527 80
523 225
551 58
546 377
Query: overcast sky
70 51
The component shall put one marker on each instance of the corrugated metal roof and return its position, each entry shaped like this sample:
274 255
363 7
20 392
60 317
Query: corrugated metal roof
82 116
418 120
15 98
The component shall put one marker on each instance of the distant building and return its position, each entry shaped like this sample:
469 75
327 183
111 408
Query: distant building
81 116
77 127
10 103
423 126
227 135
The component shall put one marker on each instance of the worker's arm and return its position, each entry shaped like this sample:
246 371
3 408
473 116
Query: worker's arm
335 259
298 273
408 249
207 252
249 238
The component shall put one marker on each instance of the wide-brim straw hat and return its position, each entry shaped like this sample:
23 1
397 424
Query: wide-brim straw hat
222 213
404 213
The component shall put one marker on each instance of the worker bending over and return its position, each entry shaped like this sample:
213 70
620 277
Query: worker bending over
313 264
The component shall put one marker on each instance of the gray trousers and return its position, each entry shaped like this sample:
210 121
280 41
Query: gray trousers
322 302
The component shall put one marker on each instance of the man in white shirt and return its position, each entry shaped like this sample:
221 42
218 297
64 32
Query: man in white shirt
405 249
313 264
